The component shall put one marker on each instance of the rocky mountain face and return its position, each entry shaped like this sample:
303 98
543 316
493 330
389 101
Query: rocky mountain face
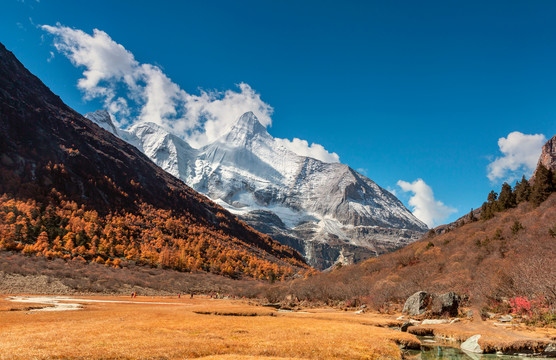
327 211
48 151
548 155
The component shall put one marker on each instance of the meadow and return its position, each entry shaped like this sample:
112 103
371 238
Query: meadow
172 328
202 327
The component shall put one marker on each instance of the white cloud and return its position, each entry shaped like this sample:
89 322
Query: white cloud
520 156
316 151
425 207
136 92
221 109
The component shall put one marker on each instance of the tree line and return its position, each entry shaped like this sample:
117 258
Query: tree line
536 193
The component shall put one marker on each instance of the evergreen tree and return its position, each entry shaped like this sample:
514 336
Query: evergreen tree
471 216
489 207
487 211
543 186
506 200
522 190
492 196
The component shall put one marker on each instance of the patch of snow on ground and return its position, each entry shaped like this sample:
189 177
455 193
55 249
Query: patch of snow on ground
59 303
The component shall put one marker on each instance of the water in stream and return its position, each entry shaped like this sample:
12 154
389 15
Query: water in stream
437 351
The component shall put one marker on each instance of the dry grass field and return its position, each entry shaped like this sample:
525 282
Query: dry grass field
171 328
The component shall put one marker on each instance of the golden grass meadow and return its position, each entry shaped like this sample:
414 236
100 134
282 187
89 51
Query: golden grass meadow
192 328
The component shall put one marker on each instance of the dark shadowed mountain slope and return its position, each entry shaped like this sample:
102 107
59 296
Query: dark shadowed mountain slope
49 153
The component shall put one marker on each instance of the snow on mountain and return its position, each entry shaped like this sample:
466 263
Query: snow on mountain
327 211
102 118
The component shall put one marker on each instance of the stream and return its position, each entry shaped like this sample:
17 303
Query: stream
433 349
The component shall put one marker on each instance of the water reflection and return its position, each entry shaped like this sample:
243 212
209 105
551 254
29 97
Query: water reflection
434 352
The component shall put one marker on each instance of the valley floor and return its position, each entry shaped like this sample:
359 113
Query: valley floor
172 328
164 327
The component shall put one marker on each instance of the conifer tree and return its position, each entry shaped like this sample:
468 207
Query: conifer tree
522 190
506 200
489 207
543 186
472 216
492 196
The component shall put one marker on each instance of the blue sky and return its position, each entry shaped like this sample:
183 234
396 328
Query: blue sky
402 90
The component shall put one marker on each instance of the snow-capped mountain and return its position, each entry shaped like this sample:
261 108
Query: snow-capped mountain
102 118
328 211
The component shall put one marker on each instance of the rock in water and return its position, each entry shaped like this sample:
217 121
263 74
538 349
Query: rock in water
445 304
472 345
417 303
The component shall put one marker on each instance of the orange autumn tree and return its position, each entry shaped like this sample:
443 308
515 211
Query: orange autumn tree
153 237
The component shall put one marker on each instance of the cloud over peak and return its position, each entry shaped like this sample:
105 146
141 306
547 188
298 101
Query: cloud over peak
520 154
134 92
316 151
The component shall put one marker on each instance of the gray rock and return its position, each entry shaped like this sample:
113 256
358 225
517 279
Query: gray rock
506 318
472 345
445 304
550 350
417 303
469 314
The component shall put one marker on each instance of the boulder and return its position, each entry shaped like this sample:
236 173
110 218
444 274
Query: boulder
506 318
417 303
472 345
550 350
445 304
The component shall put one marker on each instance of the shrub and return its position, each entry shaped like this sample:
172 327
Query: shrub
516 227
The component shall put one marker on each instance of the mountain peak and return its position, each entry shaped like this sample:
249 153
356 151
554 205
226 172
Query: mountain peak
248 122
245 128
103 119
